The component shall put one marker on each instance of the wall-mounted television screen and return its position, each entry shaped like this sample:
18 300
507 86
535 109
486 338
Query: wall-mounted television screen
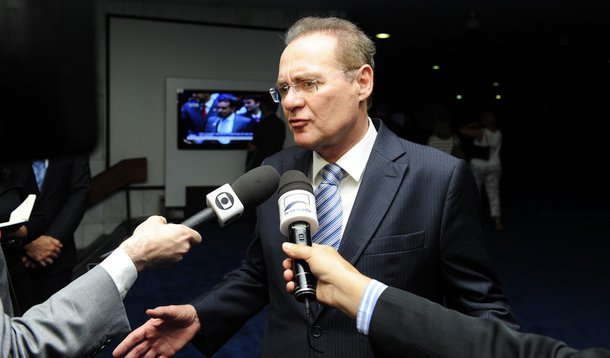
217 119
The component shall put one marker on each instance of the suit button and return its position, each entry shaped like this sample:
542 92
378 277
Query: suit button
316 331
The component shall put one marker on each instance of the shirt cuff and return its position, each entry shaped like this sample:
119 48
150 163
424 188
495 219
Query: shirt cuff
367 305
121 269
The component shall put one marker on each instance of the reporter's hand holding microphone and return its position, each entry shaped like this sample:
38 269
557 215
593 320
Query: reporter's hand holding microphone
339 284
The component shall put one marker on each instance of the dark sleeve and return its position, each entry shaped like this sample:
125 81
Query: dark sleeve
227 306
67 220
404 324
471 284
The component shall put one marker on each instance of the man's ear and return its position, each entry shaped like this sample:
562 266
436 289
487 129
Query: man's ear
365 82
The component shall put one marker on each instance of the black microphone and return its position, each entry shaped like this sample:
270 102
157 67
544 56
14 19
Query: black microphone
298 220
227 202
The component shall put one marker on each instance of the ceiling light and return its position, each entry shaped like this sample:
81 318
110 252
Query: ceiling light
382 35
436 67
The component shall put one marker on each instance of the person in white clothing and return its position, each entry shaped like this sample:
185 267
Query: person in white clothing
444 139
487 166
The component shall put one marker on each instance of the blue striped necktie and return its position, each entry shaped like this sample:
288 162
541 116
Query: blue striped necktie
39 167
328 206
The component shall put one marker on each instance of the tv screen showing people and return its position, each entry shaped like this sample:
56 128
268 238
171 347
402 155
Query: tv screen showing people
216 119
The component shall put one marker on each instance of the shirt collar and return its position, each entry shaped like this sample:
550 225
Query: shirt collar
354 161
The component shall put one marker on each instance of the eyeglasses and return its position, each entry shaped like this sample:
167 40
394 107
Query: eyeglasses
307 85
303 86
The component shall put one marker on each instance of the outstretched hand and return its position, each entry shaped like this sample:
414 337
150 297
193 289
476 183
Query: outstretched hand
169 329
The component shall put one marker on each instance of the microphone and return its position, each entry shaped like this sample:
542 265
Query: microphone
227 202
298 220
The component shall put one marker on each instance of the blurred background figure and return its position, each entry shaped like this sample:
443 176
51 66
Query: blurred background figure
485 160
193 114
42 262
252 106
445 140
268 135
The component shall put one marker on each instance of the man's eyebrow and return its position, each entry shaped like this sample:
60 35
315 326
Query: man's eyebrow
300 77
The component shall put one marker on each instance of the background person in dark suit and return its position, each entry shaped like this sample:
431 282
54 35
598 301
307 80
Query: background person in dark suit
410 215
226 120
48 254
268 135
405 325
252 106
192 115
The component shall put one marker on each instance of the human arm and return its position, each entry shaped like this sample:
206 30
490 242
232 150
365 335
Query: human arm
89 310
72 209
471 285
403 324
72 323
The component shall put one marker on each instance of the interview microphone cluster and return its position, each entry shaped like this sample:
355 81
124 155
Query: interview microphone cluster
298 220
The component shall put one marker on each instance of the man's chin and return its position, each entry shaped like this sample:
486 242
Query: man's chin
304 141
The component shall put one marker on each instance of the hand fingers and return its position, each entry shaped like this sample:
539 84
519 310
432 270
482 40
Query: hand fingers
29 264
160 312
290 287
45 262
130 342
150 354
141 350
302 252
195 236
157 218
288 275
287 264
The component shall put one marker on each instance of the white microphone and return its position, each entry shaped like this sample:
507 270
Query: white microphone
298 220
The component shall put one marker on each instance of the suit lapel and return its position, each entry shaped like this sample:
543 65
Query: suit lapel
382 177
301 160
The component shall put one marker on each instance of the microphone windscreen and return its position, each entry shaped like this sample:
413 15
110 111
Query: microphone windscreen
294 180
256 185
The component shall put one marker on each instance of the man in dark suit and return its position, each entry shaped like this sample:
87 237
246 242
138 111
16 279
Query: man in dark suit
409 214
226 120
405 325
267 137
48 254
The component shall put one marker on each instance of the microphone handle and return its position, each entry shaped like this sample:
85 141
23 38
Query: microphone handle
200 218
305 281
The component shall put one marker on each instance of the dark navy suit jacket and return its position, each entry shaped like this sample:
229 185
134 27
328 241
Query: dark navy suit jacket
405 325
414 225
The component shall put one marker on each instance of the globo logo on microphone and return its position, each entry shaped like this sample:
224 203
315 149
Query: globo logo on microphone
225 203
